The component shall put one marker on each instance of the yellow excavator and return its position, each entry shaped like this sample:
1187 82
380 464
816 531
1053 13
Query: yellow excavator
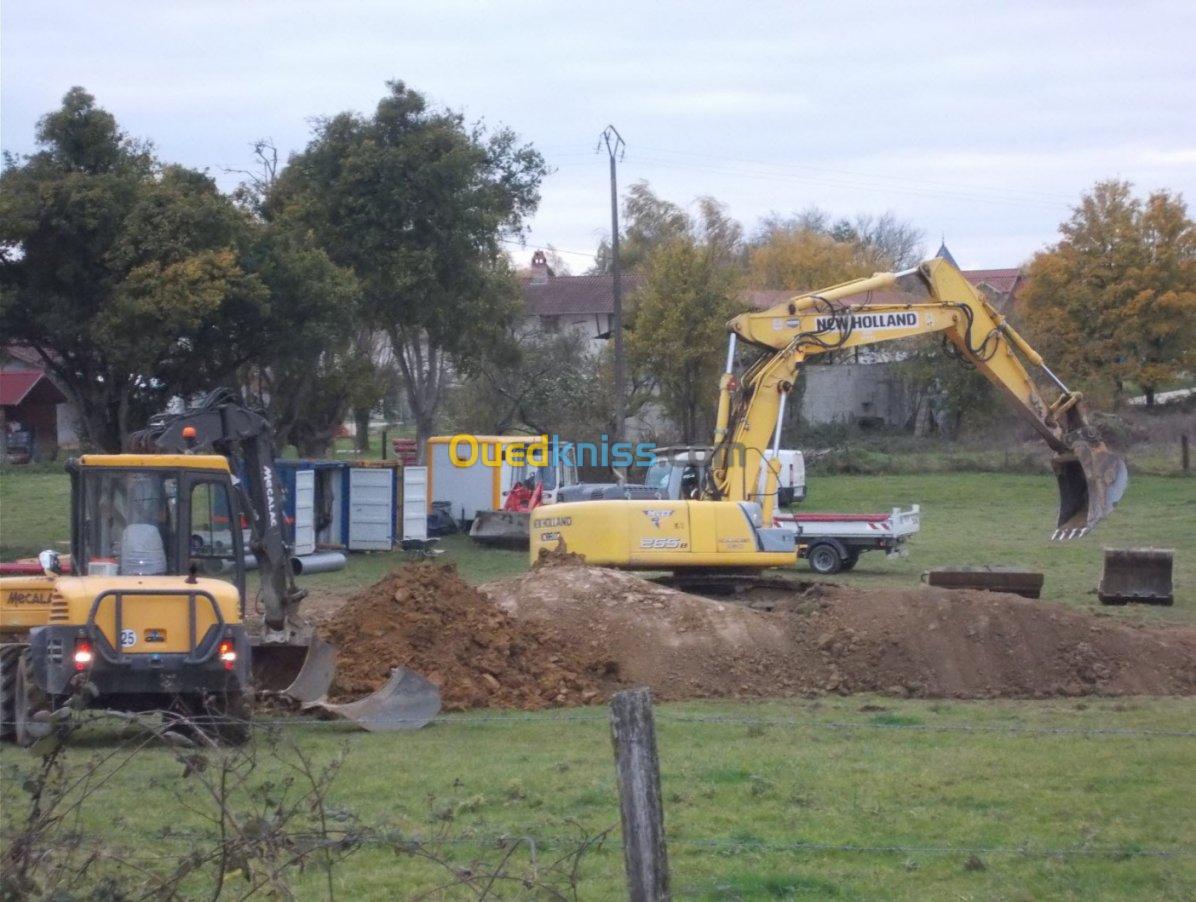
156 612
730 525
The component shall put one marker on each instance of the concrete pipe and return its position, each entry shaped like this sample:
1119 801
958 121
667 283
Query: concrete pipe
321 562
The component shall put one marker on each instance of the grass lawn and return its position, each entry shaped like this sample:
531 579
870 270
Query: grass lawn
906 792
967 518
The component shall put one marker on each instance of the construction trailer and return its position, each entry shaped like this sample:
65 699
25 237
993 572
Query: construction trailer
366 505
477 482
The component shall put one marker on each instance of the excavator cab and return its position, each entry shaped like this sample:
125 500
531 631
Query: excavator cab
134 615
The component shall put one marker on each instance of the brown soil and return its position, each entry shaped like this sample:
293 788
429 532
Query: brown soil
923 642
425 617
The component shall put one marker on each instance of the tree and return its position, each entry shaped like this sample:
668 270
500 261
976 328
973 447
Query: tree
127 276
317 360
1114 301
812 250
310 366
804 259
417 204
550 384
691 287
648 222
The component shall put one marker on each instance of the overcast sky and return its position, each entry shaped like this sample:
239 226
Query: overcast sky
978 121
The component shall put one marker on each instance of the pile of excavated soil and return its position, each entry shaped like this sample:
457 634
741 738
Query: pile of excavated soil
426 618
922 642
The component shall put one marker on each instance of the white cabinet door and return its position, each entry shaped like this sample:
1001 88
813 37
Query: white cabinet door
305 513
415 502
371 508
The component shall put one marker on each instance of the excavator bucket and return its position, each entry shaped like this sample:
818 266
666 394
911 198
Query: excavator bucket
315 676
501 529
1137 576
406 702
279 668
303 674
1092 480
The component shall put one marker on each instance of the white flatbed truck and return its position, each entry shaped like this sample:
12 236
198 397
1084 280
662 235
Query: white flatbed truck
832 542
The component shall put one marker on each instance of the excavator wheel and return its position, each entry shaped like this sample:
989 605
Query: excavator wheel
28 700
223 717
10 657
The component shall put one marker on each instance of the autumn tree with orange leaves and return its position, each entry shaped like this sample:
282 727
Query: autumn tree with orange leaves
1113 303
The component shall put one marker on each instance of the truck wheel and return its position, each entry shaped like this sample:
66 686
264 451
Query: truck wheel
28 700
849 562
824 558
10 659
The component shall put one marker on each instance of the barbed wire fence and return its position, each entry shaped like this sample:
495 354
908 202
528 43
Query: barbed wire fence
308 830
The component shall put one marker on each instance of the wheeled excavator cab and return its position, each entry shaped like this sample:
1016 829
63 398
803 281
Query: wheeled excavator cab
155 609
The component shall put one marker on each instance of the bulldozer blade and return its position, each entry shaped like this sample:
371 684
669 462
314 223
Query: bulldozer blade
408 701
1092 480
1137 576
501 529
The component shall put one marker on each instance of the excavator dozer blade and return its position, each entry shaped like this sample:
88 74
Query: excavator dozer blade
1092 480
406 702
1137 576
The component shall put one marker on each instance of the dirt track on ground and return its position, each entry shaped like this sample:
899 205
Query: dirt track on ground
568 634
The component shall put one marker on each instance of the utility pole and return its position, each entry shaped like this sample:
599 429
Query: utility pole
615 146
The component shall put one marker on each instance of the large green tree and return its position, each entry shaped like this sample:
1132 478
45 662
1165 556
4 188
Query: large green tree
1114 301
317 359
127 276
691 287
417 203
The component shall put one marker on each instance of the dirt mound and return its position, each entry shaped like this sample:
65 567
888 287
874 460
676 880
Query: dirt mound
922 642
425 617
557 557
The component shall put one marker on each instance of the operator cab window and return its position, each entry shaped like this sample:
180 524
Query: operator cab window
658 474
210 544
129 523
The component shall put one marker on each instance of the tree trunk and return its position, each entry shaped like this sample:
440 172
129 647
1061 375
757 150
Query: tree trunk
361 418
424 370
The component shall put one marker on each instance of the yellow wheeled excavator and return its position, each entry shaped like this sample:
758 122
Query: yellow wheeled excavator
731 525
156 612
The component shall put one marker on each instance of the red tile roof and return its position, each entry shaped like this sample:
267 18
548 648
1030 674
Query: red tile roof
576 295
15 385
1005 281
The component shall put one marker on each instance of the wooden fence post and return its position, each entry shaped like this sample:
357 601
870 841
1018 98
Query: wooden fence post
1185 459
633 733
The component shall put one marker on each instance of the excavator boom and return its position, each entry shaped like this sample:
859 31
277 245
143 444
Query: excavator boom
931 298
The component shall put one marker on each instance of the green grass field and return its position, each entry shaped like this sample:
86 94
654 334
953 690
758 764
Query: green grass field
855 797
833 798
967 518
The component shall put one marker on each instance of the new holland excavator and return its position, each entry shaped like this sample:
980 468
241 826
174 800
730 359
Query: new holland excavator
155 613
731 526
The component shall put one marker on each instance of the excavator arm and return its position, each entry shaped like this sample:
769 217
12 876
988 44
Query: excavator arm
220 423
931 298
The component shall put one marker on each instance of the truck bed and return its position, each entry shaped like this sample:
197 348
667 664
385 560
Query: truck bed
896 524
